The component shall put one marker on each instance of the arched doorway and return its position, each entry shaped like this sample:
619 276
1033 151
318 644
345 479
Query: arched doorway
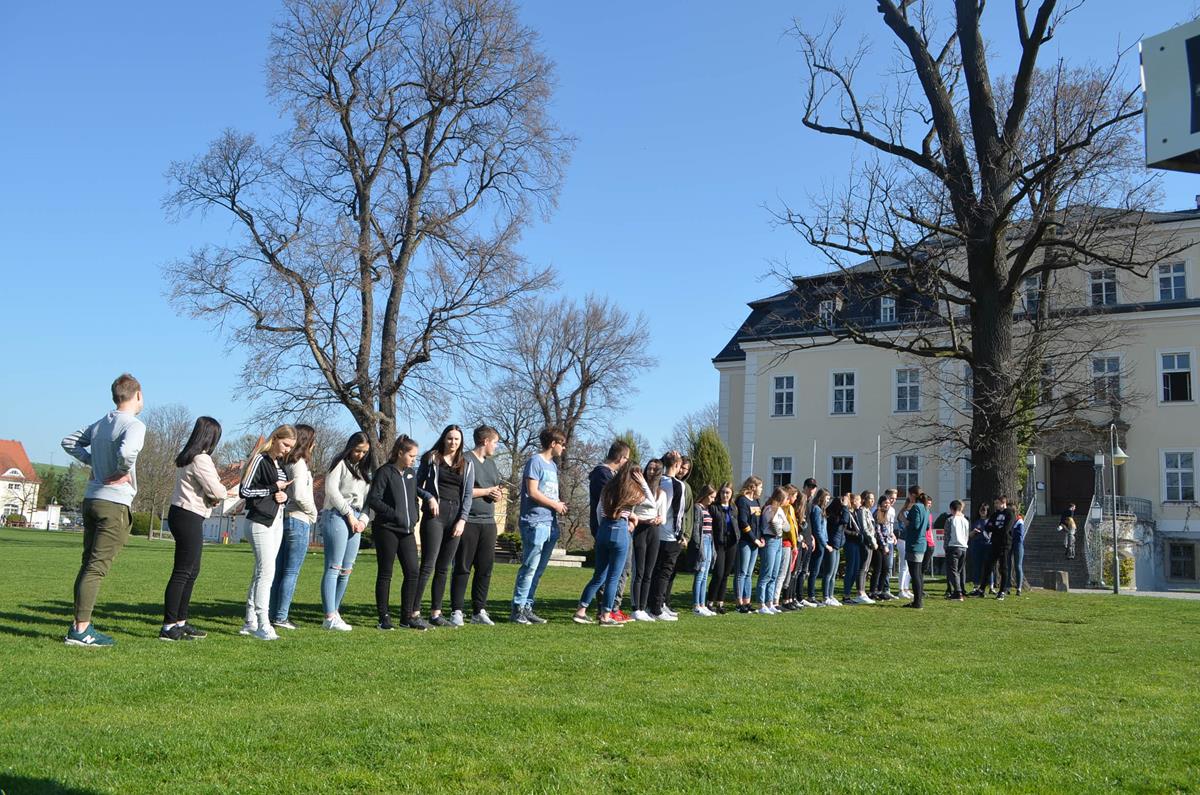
1072 480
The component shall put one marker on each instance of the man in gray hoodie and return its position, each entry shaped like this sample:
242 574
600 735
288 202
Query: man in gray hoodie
110 446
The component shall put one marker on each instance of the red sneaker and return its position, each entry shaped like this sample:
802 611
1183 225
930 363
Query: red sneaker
620 616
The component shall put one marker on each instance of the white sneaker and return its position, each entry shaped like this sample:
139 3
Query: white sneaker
665 616
336 623
906 595
863 599
456 618
764 611
248 629
700 611
483 618
670 612
709 612
642 615
832 602
853 600
265 633
806 603
776 610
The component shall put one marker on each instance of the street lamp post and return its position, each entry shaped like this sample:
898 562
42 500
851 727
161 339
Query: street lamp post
1118 458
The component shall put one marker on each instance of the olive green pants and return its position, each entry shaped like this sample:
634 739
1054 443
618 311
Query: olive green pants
106 528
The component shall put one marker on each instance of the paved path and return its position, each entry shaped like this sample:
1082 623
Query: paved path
1164 594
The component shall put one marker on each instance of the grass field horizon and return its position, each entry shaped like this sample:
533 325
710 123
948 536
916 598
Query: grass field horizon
1046 693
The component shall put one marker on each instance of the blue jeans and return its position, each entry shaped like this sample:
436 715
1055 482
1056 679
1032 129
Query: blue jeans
537 542
829 569
769 570
341 548
612 550
1017 563
700 584
853 565
287 566
815 564
747 554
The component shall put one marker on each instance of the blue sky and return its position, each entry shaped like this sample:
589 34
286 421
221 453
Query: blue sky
688 123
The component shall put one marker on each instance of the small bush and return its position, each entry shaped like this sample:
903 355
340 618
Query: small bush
512 540
1127 569
142 522
15 519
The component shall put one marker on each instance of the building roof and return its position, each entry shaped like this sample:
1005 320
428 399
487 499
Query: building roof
12 456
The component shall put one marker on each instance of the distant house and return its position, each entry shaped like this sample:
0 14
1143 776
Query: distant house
19 483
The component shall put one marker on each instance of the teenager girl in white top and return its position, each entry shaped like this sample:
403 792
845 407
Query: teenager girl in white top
343 519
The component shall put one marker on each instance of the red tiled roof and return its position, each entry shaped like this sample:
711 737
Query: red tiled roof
12 454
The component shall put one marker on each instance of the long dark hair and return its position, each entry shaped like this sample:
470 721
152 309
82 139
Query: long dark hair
401 446
439 448
306 439
654 482
206 435
622 492
361 469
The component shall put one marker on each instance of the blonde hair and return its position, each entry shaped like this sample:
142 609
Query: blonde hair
752 483
282 432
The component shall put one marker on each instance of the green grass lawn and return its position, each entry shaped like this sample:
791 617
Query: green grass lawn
1047 693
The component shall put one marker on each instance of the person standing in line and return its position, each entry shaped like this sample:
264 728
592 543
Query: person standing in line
686 560
916 546
394 498
885 537
819 526
477 547
725 539
807 543
618 454
1016 555
702 537
785 582
979 547
957 532
264 488
1000 525
1066 525
869 544
343 519
621 492
110 446
447 474
198 489
672 538
854 548
300 514
650 513
772 528
540 509
837 517
749 513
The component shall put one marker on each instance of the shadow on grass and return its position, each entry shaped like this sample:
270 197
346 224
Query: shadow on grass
11 785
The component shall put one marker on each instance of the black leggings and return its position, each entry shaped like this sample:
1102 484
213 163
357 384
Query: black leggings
476 548
388 546
188 530
881 570
438 545
724 559
645 555
664 574
916 571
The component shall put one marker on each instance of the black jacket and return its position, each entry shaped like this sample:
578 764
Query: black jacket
427 480
393 499
725 533
259 490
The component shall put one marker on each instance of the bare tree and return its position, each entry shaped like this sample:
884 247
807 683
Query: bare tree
509 407
374 254
976 187
236 450
684 433
167 430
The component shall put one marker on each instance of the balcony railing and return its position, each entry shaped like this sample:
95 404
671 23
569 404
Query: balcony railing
1136 507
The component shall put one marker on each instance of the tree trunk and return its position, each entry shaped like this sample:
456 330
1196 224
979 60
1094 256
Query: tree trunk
993 441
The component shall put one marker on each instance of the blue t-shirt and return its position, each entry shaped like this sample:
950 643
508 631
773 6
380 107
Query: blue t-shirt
546 474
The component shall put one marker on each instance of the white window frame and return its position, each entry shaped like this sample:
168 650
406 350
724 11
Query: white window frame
896 390
1091 280
778 468
1191 354
1171 274
887 306
916 472
825 312
1120 376
1183 542
832 472
833 388
775 390
1163 472
1032 286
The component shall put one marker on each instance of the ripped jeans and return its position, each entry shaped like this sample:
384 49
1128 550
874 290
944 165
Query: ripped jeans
341 548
